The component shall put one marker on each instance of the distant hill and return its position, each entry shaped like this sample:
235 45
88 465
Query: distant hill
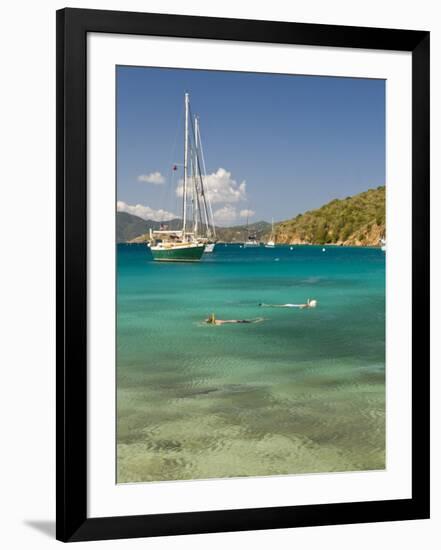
133 229
239 233
129 227
358 221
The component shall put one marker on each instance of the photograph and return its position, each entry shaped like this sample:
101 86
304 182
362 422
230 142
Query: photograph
220 332
250 274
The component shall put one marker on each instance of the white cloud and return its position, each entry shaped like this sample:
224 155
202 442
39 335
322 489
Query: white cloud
247 213
225 215
155 177
220 187
145 212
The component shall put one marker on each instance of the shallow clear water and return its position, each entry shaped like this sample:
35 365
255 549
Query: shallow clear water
302 391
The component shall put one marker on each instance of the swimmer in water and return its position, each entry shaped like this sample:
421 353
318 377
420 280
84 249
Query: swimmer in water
309 304
211 320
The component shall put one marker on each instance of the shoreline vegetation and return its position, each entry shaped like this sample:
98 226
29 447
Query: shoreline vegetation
358 220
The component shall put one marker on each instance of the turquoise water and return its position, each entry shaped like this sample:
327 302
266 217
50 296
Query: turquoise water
302 391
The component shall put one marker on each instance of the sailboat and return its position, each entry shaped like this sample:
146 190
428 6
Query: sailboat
271 243
189 243
251 241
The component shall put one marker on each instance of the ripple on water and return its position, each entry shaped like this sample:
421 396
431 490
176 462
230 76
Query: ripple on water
302 392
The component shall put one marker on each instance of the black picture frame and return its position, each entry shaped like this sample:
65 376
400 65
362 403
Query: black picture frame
71 428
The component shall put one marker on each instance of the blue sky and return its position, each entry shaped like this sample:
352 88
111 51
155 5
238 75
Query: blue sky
275 145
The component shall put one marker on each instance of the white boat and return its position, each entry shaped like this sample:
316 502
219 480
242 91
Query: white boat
209 247
271 243
383 244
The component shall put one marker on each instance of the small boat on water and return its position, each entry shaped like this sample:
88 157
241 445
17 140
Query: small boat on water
271 243
251 241
383 244
198 233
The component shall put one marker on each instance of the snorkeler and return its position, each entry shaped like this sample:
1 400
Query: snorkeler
211 320
309 304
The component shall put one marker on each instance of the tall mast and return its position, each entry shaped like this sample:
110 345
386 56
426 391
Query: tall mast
184 206
209 213
198 144
196 174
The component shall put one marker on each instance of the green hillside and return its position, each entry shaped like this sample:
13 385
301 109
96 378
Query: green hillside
357 220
